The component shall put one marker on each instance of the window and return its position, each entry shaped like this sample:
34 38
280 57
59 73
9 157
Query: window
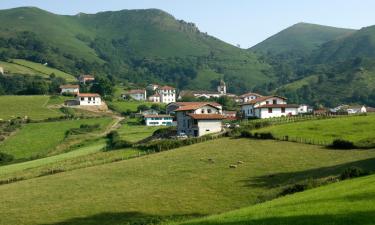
274 101
269 110
82 99
267 102
209 110
202 111
89 98
282 110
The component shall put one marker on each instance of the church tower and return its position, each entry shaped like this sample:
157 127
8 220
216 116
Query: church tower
222 88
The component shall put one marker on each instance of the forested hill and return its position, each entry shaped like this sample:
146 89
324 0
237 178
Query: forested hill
140 46
301 38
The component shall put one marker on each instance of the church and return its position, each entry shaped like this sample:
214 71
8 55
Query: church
221 91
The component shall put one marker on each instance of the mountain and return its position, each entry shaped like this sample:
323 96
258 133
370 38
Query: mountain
139 46
300 38
358 44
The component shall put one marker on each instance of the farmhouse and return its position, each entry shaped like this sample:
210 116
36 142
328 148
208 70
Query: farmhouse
230 115
248 97
268 107
83 79
221 91
199 118
167 94
171 107
158 120
154 98
72 89
349 109
89 99
139 94
302 109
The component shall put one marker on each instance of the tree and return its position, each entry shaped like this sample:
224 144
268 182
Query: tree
102 86
141 108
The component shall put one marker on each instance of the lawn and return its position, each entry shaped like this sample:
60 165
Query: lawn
190 181
358 129
35 107
124 106
39 139
134 133
345 203
43 70
17 69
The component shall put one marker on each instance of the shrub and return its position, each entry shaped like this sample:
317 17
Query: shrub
246 134
352 172
294 189
83 129
342 144
5 157
114 141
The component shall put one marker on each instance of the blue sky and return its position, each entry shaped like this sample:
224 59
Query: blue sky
244 22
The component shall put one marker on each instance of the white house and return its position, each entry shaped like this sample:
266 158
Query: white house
167 94
154 98
248 97
302 109
199 118
268 107
152 87
158 120
349 109
86 78
171 107
221 91
89 99
69 89
139 94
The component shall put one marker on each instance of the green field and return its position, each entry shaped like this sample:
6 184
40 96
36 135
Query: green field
17 69
350 202
34 107
177 183
39 139
124 106
358 129
135 133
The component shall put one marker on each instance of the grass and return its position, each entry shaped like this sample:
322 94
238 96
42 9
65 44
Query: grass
124 106
17 69
135 133
34 107
345 203
39 139
357 129
178 183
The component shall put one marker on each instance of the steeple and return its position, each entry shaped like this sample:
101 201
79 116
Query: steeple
222 88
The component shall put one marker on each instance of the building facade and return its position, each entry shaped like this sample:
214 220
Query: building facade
86 79
268 107
158 120
89 99
69 89
198 119
167 94
138 94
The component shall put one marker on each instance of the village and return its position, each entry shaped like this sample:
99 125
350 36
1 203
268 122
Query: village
198 118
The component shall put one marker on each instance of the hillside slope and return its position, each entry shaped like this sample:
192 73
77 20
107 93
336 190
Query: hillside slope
300 38
138 45
344 203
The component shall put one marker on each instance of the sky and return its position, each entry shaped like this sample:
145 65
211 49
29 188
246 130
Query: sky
238 22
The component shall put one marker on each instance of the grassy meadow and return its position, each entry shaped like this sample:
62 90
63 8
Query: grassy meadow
39 139
135 132
357 129
34 107
124 106
350 202
191 181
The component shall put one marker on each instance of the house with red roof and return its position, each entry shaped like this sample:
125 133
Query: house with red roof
167 94
199 118
71 89
89 99
86 79
268 107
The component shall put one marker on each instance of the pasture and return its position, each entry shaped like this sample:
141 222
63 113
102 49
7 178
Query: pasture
357 129
34 107
133 132
349 202
190 181
35 140
122 106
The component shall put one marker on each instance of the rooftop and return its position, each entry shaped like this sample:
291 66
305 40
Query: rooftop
261 99
88 95
196 105
278 106
69 86
136 91
158 116
206 116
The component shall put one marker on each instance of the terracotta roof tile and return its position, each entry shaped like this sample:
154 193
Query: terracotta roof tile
207 116
88 95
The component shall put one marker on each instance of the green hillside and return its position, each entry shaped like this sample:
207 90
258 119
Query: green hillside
137 45
344 203
187 182
300 38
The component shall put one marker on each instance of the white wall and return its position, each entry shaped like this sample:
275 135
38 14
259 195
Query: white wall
167 96
276 112
92 101
158 121
209 126
69 90
206 109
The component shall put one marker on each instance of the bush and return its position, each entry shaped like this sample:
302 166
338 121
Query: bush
114 141
294 189
83 129
5 157
352 172
342 144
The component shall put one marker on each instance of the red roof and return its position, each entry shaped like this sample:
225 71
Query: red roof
87 77
69 86
88 95
157 116
207 116
261 99
278 106
166 88
196 105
